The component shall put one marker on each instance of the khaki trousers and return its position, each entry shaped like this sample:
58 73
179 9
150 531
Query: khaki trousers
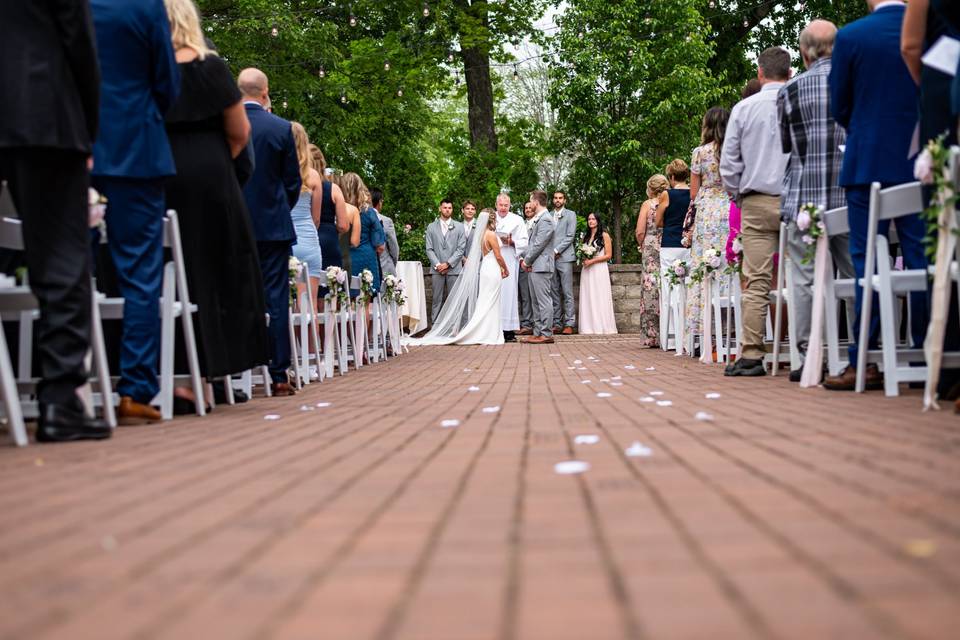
760 233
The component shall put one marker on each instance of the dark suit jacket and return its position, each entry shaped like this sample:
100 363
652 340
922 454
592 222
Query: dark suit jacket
140 82
874 98
275 185
51 80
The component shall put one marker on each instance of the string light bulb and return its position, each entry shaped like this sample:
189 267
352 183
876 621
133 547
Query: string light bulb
426 10
274 32
343 98
399 93
322 73
353 21
386 66
284 104
746 23
516 73
450 58
713 5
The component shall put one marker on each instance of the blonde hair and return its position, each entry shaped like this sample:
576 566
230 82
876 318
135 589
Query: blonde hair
678 170
354 191
185 28
657 184
302 142
319 162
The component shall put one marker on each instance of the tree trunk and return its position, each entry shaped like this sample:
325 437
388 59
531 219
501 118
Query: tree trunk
617 232
479 98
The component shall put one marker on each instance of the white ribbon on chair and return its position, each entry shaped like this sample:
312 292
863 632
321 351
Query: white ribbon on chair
706 321
933 345
813 365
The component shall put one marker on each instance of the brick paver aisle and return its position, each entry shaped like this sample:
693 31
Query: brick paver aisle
774 513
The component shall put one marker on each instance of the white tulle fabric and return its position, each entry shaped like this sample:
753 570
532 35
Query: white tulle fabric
471 314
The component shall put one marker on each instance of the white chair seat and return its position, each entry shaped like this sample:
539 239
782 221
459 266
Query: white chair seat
903 282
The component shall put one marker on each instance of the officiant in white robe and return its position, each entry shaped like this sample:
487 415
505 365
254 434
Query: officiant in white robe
513 233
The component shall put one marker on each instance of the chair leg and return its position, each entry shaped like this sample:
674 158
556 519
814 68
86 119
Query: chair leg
98 346
167 334
267 381
295 359
888 334
228 389
193 361
11 397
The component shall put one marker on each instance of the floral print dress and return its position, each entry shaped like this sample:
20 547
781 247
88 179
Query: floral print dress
650 287
712 224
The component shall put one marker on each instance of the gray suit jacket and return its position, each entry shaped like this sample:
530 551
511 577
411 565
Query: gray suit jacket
390 256
566 229
449 249
539 252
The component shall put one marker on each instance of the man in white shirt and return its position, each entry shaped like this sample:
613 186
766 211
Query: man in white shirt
513 233
752 166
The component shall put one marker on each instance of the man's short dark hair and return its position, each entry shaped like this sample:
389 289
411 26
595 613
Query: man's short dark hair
468 202
376 197
561 192
775 63
446 201
539 196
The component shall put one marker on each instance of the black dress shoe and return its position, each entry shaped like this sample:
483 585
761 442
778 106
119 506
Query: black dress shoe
220 394
66 423
796 374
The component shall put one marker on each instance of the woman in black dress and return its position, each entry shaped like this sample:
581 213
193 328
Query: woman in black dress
208 128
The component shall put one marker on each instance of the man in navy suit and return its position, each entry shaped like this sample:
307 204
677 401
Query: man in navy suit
131 158
48 120
874 98
271 193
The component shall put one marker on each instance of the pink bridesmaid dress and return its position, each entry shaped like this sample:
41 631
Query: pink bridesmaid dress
596 301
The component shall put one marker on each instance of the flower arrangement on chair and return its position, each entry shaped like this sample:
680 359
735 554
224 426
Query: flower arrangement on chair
736 265
810 222
678 273
712 260
366 286
393 290
932 169
295 268
336 285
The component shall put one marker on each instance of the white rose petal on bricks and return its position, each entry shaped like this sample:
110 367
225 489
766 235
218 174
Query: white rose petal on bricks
306 407
585 382
637 450
703 416
629 367
648 399
449 424
656 393
587 438
491 409
604 394
578 362
571 467
323 405
713 395
664 403
271 416
474 388
651 369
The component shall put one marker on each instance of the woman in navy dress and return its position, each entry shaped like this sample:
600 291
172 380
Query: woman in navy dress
333 217
366 234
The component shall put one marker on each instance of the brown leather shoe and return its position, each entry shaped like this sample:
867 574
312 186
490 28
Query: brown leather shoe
524 331
131 412
568 331
282 389
847 380
538 340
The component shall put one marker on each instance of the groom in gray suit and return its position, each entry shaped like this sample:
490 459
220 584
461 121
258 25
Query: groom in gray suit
565 255
538 262
446 244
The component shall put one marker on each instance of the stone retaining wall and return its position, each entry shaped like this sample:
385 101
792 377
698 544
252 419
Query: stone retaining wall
625 281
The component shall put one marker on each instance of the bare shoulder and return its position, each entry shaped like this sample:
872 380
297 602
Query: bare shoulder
313 179
335 192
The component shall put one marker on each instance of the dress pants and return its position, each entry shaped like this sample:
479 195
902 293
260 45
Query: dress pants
760 234
49 190
275 266
442 285
541 285
564 311
526 300
802 275
135 208
911 231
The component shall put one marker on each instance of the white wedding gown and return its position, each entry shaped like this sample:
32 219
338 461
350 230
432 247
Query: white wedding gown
484 326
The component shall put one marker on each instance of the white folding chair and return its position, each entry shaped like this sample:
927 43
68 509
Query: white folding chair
358 326
783 293
18 303
889 204
305 318
174 304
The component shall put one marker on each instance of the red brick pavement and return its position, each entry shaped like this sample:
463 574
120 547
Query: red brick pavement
792 514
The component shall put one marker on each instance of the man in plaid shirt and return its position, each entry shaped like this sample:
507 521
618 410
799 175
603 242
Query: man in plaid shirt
813 140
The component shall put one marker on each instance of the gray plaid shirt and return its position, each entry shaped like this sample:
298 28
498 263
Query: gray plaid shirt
812 138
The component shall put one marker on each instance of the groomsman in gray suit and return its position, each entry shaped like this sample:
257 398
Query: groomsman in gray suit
469 212
390 256
523 278
564 318
446 244
538 262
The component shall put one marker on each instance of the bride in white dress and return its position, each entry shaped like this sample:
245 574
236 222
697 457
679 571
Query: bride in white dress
475 297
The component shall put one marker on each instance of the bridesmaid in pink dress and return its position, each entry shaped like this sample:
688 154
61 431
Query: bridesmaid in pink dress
596 299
